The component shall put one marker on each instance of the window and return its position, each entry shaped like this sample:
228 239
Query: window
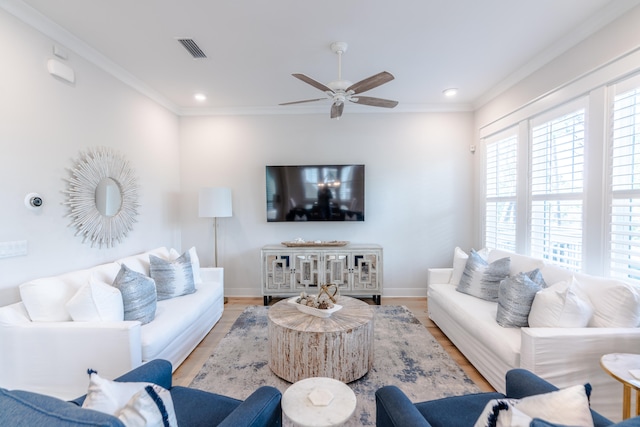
500 195
625 183
556 188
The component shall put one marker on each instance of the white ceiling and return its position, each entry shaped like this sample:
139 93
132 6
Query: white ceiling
253 46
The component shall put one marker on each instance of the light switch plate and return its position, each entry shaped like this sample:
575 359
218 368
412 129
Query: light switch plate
13 248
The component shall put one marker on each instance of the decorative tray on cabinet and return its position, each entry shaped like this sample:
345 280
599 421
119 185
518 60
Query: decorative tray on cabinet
296 244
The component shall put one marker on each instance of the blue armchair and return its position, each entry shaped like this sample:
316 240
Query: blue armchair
193 407
393 407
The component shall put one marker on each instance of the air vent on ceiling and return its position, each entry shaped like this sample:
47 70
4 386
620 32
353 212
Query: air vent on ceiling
192 47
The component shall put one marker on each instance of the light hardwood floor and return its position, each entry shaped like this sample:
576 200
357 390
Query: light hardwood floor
232 309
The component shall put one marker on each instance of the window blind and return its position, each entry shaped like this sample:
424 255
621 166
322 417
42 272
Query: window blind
500 205
625 186
556 189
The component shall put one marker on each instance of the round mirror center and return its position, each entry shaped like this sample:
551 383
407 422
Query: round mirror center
108 197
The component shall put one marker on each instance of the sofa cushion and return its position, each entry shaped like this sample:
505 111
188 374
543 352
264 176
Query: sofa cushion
134 403
569 406
14 314
177 317
138 295
173 278
140 262
45 299
492 343
519 262
560 306
615 304
515 297
96 301
481 279
26 409
195 262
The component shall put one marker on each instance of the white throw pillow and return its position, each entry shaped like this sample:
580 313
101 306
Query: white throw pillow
569 406
45 299
96 301
560 306
195 262
615 304
459 261
136 404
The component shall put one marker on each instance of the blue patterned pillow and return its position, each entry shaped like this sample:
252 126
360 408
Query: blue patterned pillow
536 277
515 297
138 295
173 278
481 279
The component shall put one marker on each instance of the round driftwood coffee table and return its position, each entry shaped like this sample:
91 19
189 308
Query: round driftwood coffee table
304 346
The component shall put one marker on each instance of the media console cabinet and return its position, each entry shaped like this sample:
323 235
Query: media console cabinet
355 268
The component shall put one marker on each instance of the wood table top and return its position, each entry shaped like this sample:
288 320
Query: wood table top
354 313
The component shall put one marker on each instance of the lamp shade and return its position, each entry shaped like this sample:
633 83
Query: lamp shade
214 202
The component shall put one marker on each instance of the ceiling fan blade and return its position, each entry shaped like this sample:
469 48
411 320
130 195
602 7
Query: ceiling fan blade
375 102
371 82
336 110
302 102
312 82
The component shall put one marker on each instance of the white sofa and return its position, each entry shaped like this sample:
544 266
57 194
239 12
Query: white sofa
562 355
52 357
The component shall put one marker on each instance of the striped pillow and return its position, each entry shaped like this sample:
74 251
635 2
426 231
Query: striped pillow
173 278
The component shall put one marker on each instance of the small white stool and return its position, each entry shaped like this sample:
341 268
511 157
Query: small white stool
318 402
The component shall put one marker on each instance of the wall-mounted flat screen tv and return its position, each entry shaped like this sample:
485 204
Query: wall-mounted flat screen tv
315 193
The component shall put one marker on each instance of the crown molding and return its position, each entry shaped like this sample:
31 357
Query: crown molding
324 109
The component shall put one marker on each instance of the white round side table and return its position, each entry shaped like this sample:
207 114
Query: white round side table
318 402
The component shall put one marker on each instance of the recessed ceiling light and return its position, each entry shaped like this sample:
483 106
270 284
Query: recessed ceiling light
452 91
200 97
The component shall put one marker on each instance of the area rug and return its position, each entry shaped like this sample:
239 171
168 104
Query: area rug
405 355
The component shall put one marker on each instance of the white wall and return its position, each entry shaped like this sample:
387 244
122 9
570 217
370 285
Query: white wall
418 188
44 125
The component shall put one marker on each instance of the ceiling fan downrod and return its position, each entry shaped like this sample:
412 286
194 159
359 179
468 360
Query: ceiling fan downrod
339 48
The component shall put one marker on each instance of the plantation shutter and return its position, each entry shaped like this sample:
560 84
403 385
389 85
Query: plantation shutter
625 185
500 182
556 188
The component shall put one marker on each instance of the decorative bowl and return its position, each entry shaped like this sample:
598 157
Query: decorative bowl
318 312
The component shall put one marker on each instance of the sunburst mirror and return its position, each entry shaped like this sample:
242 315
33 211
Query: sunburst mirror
102 196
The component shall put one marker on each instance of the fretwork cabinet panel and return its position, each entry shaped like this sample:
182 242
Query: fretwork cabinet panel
356 269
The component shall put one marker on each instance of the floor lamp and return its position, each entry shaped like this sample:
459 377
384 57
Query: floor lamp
215 202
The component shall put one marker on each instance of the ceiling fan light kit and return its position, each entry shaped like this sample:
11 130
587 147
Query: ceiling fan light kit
339 91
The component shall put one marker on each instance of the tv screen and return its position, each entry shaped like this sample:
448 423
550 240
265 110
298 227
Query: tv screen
315 193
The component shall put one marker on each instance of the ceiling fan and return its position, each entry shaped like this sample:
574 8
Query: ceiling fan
339 91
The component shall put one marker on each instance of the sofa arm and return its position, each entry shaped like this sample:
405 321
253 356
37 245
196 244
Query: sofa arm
569 356
393 408
156 371
439 275
53 357
522 383
210 274
261 408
